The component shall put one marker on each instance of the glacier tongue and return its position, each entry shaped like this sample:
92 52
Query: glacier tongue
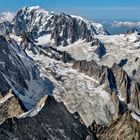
79 92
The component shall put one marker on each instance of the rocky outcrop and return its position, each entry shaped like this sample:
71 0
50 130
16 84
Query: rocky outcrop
5 28
100 50
129 88
10 106
123 82
135 97
90 68
97 129
52 122
116 82
120 106
101 73
107 78
133 30
124 128
58 55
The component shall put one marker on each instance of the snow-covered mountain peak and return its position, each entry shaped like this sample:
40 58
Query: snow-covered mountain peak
32 12
6 16
60 29
35 9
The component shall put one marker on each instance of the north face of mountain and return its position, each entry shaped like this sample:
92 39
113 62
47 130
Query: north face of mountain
18 72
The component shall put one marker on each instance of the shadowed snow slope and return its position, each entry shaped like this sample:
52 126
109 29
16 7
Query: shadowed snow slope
19 72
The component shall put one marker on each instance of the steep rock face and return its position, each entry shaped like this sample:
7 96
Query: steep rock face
90 68
123 82
128 88
18 72
5 28
100 50
123 90
124 128
107 78
101 73
118 106
135 97
51 52
136 72
52 122
115 81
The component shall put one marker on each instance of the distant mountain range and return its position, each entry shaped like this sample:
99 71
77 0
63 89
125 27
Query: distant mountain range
120 27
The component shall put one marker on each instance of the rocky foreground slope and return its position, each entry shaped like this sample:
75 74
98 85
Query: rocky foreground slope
52 122
125 127
90 86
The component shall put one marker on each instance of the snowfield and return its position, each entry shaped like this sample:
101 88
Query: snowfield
79 92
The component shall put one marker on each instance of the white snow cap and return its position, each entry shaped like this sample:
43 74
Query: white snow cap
6 16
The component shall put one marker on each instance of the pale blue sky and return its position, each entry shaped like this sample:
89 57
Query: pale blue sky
91 9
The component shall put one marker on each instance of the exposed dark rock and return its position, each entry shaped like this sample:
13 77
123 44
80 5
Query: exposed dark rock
56 54
135 96
101 73
137 58
8 68
123 82
66 57
95 42
10 106
17 71
1 95
97 129
90 68
100 50
108 79
132 31
28 42
123 62
5 28
124 128
52 122
136 72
